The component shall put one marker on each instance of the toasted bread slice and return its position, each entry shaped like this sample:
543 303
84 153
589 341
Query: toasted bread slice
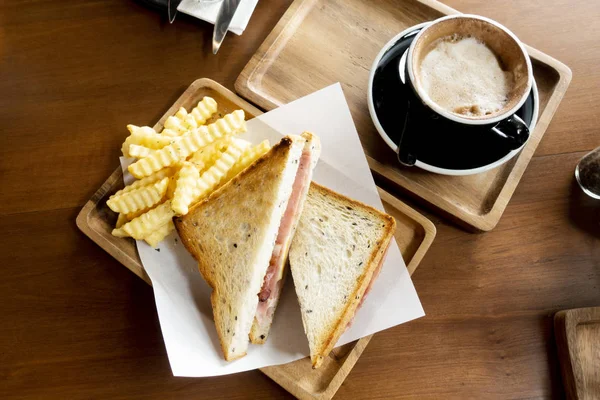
335 256
232 235
277 271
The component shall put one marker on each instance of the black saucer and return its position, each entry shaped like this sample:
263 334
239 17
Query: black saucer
437 145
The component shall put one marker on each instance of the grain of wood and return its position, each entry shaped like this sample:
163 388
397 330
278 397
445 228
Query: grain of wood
77 325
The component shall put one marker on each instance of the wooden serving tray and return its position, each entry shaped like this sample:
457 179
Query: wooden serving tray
414 235
578 340
320 42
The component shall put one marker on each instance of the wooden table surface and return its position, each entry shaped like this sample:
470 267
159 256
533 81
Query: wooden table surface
77 324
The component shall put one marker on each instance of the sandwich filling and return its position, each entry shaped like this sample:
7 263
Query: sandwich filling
269 292
369 287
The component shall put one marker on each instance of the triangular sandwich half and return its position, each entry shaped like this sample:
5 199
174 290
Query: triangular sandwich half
232 235
335 256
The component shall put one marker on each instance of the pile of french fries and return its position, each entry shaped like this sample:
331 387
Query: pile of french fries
178 167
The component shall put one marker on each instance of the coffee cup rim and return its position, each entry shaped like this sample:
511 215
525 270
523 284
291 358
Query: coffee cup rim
454 117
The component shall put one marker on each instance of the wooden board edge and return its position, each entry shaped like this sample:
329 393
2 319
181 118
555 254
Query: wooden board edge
297 391
565 325
564 79
82 218
566 366
455 214
343 372
429 229
82 223
286 382
566 74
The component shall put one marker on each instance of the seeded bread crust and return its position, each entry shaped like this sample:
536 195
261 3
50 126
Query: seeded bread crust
331 280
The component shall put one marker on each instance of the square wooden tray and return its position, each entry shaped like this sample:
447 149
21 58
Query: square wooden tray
320 42
578 340
414 235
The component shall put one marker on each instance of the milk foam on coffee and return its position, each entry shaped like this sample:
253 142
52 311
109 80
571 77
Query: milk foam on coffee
463 76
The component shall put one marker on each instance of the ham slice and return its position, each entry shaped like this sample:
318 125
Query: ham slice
369 287
271 287
373 278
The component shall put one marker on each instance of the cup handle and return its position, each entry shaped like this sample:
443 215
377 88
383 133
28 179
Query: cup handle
514 130
405 144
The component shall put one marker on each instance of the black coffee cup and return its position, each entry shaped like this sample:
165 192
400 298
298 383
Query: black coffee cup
503 126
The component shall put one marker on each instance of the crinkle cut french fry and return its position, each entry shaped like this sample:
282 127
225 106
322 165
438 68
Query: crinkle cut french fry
240 144
211 178
143 130
174 126
184 189
136 214
158 235
172 186
138 199
177 122
145 136
204 110
183 121
231 124
145 224
180 115
138 151
189 143
165 157
119 232
190 173
170 132
155 177
121 220
207 155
